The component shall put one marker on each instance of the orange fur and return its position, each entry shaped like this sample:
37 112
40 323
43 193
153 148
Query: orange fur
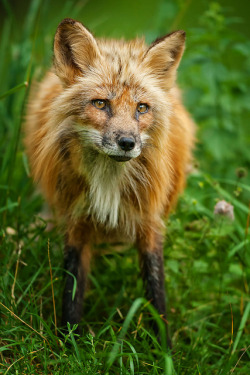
96 197
54 108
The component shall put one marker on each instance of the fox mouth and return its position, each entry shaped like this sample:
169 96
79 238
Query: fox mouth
120 158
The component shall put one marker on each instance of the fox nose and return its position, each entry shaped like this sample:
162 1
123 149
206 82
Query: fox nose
126 143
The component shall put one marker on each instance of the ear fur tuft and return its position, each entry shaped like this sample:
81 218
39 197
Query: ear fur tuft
163 57
75 49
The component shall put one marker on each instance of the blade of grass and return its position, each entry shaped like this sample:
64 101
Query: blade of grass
52 290
17 317
135 306
137 303
75 346
169 368
134 351
19 359
237 248
14 90
241 327
8 206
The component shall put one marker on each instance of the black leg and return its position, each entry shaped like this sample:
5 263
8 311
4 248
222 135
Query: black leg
75 284
152 271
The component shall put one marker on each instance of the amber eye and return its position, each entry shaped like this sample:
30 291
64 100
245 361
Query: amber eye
99 103
142 108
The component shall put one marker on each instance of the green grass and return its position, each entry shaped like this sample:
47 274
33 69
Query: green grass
206 257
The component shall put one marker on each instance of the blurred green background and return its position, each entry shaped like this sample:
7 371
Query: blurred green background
129 18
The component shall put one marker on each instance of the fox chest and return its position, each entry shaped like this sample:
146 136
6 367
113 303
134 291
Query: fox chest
108 203
106 207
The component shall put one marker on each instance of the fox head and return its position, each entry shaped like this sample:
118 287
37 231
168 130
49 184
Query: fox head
115 90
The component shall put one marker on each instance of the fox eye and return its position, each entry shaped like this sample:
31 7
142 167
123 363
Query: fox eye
142 108
99 103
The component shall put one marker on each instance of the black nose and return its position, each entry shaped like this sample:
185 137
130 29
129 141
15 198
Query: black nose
126 143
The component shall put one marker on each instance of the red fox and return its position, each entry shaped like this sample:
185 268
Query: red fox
109 142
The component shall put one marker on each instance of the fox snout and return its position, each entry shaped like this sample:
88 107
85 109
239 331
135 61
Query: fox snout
126 143
121 147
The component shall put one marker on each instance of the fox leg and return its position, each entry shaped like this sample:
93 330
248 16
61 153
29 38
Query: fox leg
76 264
150 247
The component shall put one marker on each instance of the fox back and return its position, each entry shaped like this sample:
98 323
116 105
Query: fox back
109 143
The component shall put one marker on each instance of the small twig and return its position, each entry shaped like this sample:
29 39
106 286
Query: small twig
14 282
41 316
120 313
22 321
14 89
19 359
17 317
232 370
232 330
138 326
52 289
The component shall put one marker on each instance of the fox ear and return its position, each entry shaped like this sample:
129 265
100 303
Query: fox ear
75 49
163 57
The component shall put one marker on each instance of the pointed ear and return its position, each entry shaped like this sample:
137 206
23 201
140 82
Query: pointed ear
75 49
163 57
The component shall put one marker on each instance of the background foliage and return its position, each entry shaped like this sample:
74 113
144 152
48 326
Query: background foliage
207 257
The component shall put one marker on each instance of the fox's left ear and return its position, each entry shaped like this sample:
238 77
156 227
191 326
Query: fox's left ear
163 57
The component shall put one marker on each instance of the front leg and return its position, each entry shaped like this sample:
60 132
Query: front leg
77 260
150 247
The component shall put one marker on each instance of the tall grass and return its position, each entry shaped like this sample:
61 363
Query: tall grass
206 256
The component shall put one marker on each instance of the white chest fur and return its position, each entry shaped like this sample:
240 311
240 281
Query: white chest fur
107 200
103 200
105 191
